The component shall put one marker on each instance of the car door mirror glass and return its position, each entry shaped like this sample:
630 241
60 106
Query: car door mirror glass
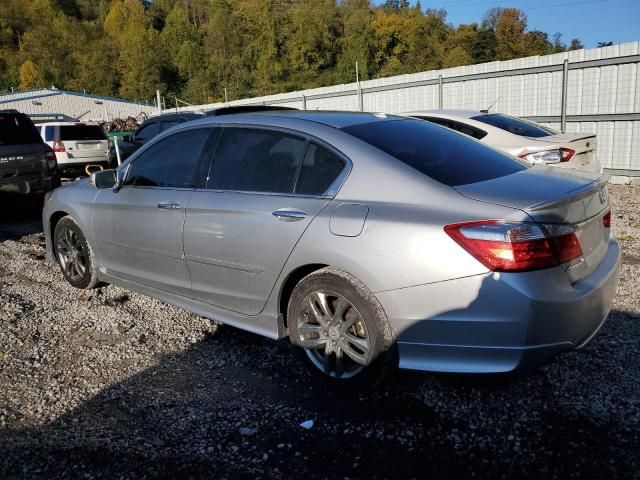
104 179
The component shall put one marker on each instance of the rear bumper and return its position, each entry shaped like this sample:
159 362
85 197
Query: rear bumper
34 185
496 323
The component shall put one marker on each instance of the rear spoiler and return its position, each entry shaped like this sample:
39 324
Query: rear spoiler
578 193
584 138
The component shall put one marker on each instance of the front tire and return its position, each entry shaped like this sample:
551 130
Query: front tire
342 329
74 254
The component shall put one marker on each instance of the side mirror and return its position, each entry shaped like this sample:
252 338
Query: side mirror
104 179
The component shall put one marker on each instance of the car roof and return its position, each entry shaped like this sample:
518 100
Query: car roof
55 124
172 115
448 113
335 119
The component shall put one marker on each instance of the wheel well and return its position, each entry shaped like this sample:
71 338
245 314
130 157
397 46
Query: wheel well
53 221
290 283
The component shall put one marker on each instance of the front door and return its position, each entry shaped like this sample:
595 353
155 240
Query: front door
260 198
138 229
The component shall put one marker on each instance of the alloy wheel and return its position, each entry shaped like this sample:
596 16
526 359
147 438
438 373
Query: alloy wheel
333 334
72 254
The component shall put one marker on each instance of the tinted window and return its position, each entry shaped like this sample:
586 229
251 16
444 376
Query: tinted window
146 132
256 160
319 170
457 126
81 132
48 133
514 125
437 152
170 162
167 124
17 129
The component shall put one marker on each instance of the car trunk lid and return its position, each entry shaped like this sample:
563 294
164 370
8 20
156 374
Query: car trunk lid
548 195
584 145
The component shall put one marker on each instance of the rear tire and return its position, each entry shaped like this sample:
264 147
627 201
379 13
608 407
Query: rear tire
342 329
74 255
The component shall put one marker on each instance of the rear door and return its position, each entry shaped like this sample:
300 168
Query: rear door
84 142
22 151
264 188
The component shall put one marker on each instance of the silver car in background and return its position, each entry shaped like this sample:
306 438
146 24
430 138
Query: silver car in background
370 241
530 141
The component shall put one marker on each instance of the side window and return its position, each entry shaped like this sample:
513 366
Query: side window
170 162
256 160
320 169
165 125
147 132
48 134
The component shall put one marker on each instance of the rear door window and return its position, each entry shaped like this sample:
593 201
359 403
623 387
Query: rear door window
256 160
17 129
517 126
457 126
81 132
170 162
147 132
167 124
320 168
48 133
435 152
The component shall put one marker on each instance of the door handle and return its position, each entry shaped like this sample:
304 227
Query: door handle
169 206
287 215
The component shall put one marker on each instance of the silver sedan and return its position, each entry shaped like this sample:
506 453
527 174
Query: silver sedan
370 241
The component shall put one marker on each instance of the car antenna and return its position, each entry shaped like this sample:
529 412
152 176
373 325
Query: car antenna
490 106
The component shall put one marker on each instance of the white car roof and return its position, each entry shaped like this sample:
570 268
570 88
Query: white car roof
447 113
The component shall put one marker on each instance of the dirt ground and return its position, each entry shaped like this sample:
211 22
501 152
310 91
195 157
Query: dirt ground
112 384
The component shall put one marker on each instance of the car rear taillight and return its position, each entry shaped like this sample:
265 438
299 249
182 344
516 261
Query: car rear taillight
58 146
566 154
516 247
52 162
606 220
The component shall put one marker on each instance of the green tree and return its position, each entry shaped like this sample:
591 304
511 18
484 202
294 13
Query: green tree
30 76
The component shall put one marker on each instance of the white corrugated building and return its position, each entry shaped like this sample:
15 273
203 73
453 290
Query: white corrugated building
44 102
593 90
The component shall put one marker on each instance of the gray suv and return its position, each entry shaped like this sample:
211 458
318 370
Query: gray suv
27 164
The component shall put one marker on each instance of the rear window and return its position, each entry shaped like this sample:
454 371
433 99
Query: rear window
441 154
17 130
81 132
514 125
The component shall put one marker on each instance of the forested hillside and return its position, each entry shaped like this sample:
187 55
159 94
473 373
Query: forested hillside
194 49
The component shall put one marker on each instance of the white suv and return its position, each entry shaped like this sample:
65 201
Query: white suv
76 145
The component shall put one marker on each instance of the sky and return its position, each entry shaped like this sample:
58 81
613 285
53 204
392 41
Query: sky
591 21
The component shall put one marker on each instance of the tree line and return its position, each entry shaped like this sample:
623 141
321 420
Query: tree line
201 50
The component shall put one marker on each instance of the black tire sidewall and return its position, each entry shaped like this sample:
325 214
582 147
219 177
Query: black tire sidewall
89 279
381 337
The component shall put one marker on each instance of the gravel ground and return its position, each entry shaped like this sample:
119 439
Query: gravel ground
112 384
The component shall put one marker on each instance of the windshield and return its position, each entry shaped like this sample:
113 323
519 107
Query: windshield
517 126
17 129
442 154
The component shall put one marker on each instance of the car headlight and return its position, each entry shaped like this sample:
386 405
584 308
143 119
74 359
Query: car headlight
549 156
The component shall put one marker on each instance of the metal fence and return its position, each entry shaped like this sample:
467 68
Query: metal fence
594 90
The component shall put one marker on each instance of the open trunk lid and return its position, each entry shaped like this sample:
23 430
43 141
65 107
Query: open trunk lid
549 195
